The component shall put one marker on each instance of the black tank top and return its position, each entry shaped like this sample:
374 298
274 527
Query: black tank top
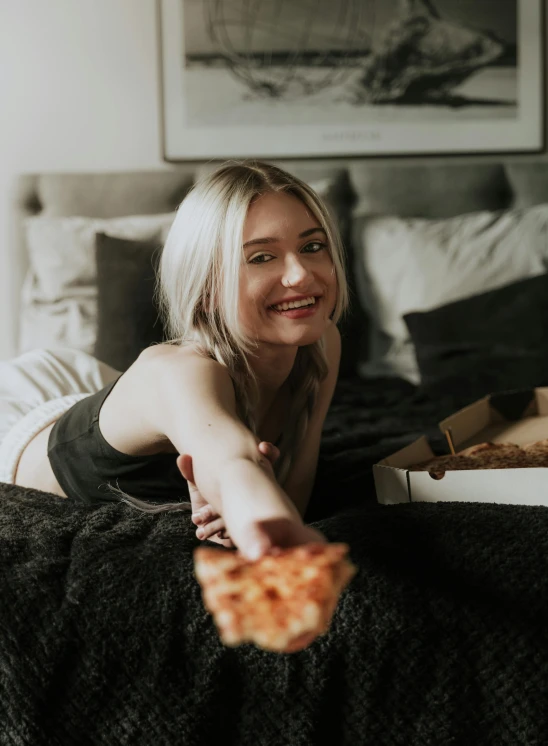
86 465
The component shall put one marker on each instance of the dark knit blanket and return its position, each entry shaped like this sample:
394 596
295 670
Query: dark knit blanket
441 638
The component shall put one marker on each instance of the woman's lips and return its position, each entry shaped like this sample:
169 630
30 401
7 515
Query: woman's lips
298 313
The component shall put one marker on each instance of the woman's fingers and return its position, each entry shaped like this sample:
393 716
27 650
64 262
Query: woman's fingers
211 528
269 450
227 543
184 462
204 515
202 512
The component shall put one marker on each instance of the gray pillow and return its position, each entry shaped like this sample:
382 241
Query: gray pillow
128 318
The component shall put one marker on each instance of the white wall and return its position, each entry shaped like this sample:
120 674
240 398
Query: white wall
78 91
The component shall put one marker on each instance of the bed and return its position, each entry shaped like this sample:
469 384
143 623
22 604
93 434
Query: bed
441 636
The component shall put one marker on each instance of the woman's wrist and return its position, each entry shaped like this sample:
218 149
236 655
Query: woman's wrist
249 491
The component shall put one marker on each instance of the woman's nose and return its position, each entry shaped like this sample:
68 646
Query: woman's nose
296 273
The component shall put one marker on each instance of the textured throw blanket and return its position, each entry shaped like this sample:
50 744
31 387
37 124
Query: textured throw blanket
440 639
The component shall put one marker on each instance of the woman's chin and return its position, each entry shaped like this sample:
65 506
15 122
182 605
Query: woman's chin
300 338
298 333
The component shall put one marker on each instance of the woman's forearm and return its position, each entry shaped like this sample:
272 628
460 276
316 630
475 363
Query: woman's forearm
250 493
257 514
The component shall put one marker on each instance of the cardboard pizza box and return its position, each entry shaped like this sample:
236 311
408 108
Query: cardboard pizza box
518 417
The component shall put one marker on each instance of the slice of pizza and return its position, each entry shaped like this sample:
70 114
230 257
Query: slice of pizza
537 445
496 456
485 450
280 602
538 452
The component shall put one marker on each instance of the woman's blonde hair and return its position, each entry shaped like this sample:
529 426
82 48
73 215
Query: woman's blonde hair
199 277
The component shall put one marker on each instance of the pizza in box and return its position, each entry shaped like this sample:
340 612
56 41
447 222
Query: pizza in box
488 456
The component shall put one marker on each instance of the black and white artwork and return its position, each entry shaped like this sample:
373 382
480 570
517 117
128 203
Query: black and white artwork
310 78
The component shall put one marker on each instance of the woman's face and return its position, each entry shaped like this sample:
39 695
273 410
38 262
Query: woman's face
286 260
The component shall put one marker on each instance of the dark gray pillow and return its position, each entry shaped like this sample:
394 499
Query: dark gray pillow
128 317
490 342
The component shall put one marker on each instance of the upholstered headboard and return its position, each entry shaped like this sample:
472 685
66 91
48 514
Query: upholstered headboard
366 186
101 195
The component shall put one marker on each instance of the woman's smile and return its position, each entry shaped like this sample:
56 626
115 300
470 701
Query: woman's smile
308 307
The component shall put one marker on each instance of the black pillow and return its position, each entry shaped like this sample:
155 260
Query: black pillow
128 318
494 341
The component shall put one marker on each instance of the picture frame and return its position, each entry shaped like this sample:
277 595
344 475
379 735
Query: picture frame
236 86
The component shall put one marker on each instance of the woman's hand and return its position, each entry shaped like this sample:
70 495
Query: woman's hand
266 536
256 537
210 524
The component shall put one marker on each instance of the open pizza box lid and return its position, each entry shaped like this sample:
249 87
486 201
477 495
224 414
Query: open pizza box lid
518 417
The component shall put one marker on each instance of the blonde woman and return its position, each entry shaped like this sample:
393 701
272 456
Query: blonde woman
252 283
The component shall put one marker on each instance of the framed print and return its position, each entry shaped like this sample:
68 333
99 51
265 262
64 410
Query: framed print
317 78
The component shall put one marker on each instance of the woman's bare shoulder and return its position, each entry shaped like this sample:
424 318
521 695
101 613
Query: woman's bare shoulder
179 358
161 396
181 366
166 353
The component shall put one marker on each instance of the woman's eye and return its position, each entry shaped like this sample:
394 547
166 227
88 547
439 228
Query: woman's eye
314 247
260 259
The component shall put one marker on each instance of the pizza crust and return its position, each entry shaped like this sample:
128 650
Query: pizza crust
280 602
488 456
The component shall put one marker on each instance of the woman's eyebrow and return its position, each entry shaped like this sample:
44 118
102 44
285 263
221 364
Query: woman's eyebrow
310 231
267 240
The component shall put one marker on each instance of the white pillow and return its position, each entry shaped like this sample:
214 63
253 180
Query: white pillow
59 296
71 322
406 265
62 250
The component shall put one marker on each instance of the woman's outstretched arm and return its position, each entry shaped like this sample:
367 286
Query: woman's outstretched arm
190 400
210 524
